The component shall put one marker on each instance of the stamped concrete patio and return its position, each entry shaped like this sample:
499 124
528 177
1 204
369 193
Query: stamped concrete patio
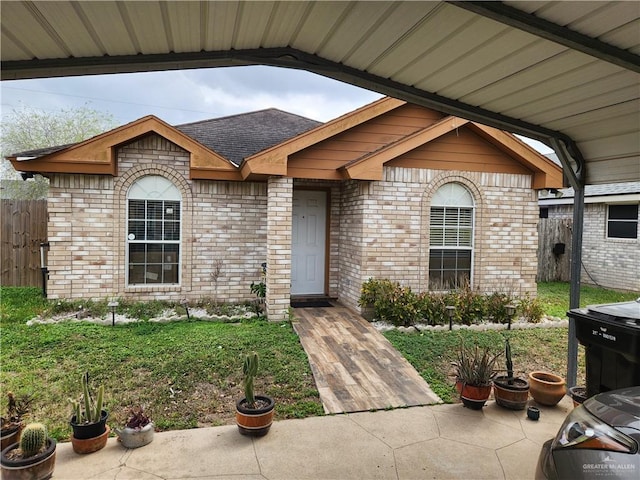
437 442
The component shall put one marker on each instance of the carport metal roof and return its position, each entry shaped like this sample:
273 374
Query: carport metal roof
564 70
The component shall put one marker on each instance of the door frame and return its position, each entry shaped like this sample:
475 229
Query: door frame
327 233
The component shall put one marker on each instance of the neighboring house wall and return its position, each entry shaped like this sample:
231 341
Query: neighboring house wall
608 262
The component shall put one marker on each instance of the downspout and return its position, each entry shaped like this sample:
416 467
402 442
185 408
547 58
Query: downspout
567 152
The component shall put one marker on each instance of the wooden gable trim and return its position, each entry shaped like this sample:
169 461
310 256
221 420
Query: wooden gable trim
273 161
97 155
546 174
369 167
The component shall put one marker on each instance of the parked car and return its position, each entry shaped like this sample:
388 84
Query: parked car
600 438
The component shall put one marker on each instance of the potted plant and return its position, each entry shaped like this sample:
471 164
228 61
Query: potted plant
138 431
11 425
474 371
33 458
254 413
578 394
546 388
89 420
510 391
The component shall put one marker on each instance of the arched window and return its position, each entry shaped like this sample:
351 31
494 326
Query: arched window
153 231
451 237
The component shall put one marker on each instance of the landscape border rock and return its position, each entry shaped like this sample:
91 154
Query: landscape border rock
167 316
545 322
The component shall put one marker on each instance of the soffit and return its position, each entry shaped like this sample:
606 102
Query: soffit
432 53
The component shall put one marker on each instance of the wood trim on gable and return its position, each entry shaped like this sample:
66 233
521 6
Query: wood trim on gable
546 174
273 161
97 155
369 167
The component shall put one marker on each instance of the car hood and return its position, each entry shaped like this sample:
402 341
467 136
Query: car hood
619 408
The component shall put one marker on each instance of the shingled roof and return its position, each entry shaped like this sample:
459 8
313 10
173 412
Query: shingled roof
234 137
238 136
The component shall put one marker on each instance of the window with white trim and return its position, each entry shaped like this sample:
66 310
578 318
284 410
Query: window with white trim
153 232
622 221
451 237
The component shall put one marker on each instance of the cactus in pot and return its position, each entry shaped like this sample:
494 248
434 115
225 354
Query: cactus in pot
89 420
34 457
33 439
254 413
250 370
510 391
92 411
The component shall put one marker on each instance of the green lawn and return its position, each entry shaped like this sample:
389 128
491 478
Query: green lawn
554 297
188 374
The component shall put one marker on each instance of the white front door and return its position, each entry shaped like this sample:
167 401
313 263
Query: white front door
308 242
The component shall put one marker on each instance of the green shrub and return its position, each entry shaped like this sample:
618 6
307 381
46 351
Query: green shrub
497 307
530 309
470 305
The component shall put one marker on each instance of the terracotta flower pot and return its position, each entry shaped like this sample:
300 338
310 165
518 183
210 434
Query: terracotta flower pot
90 445
546 388
255 422
37 467
513 396
474 397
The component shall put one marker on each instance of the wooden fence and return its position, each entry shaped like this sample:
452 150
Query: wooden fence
554 249
24 227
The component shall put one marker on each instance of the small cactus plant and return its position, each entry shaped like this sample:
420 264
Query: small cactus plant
250 369
33 439
92 410
507 354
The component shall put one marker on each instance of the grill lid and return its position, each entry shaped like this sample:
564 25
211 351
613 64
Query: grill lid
619 311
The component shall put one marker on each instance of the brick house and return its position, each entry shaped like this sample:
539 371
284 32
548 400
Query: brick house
611 241
390 190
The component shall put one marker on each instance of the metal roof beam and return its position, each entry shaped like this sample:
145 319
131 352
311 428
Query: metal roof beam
289 58
540 27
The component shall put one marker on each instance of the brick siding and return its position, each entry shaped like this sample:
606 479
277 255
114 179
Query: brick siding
377 229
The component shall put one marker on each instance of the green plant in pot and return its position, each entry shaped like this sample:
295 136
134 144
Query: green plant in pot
510 391
254 413
12 423
89 419
474 369
33 458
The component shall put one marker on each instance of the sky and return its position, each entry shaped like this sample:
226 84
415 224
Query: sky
185 96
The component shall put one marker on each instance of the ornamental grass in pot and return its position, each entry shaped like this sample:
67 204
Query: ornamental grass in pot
474 369
254 413
11 423
89 420
510 391
32 458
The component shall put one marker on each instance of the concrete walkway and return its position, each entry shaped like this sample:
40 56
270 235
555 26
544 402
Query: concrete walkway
434 442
